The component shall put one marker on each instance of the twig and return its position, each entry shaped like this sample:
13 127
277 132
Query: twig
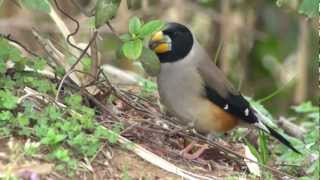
48 47
111 28
85 50
72 33
61 83
72 68
279 173
120 97
139 97
32 93
8 37
95 58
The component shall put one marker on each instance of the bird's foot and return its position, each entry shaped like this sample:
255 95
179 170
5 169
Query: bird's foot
187 154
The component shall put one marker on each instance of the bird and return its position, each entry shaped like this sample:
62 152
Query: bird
193 89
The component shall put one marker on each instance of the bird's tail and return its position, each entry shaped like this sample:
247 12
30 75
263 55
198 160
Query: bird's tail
263 126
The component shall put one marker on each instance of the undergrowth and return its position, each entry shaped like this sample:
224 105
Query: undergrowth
65 134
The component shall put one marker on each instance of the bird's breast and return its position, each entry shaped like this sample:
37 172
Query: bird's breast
179 90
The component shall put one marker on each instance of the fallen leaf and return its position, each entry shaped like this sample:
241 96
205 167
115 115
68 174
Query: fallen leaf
253 167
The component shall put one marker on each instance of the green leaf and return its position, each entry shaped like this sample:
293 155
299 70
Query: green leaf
134 25
73 100
60 71
309 8
125 37
148 86
43 86
20 64
151 27
263 147
40 5
39 64
61 154
8 51
52 112
5 115
306 107
52 137
86 144
8 100
150 62
2 67
105 11
111 135
86 62
22 120
132 49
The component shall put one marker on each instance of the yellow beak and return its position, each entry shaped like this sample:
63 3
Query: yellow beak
160 43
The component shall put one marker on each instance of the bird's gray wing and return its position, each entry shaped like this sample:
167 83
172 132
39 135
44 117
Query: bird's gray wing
220 91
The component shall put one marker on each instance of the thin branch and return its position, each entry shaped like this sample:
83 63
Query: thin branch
75 31
112 29
121 97
8 37
206 140
72 68
84 52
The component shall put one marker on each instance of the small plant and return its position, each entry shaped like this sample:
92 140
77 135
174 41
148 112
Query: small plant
309 161
148 87
133 41
262 153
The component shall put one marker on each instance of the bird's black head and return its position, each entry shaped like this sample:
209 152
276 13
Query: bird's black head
173 43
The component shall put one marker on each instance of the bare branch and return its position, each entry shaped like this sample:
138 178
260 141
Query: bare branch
9 38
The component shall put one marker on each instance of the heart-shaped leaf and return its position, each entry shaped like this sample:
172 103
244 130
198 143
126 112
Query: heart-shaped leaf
105 11
151 27
132 49
134 25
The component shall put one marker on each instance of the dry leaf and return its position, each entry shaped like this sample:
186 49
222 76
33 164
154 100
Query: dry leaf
253 167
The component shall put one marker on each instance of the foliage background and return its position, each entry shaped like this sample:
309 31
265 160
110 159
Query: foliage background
267 48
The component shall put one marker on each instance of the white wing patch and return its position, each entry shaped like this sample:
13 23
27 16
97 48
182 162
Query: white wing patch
246 112
226 107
